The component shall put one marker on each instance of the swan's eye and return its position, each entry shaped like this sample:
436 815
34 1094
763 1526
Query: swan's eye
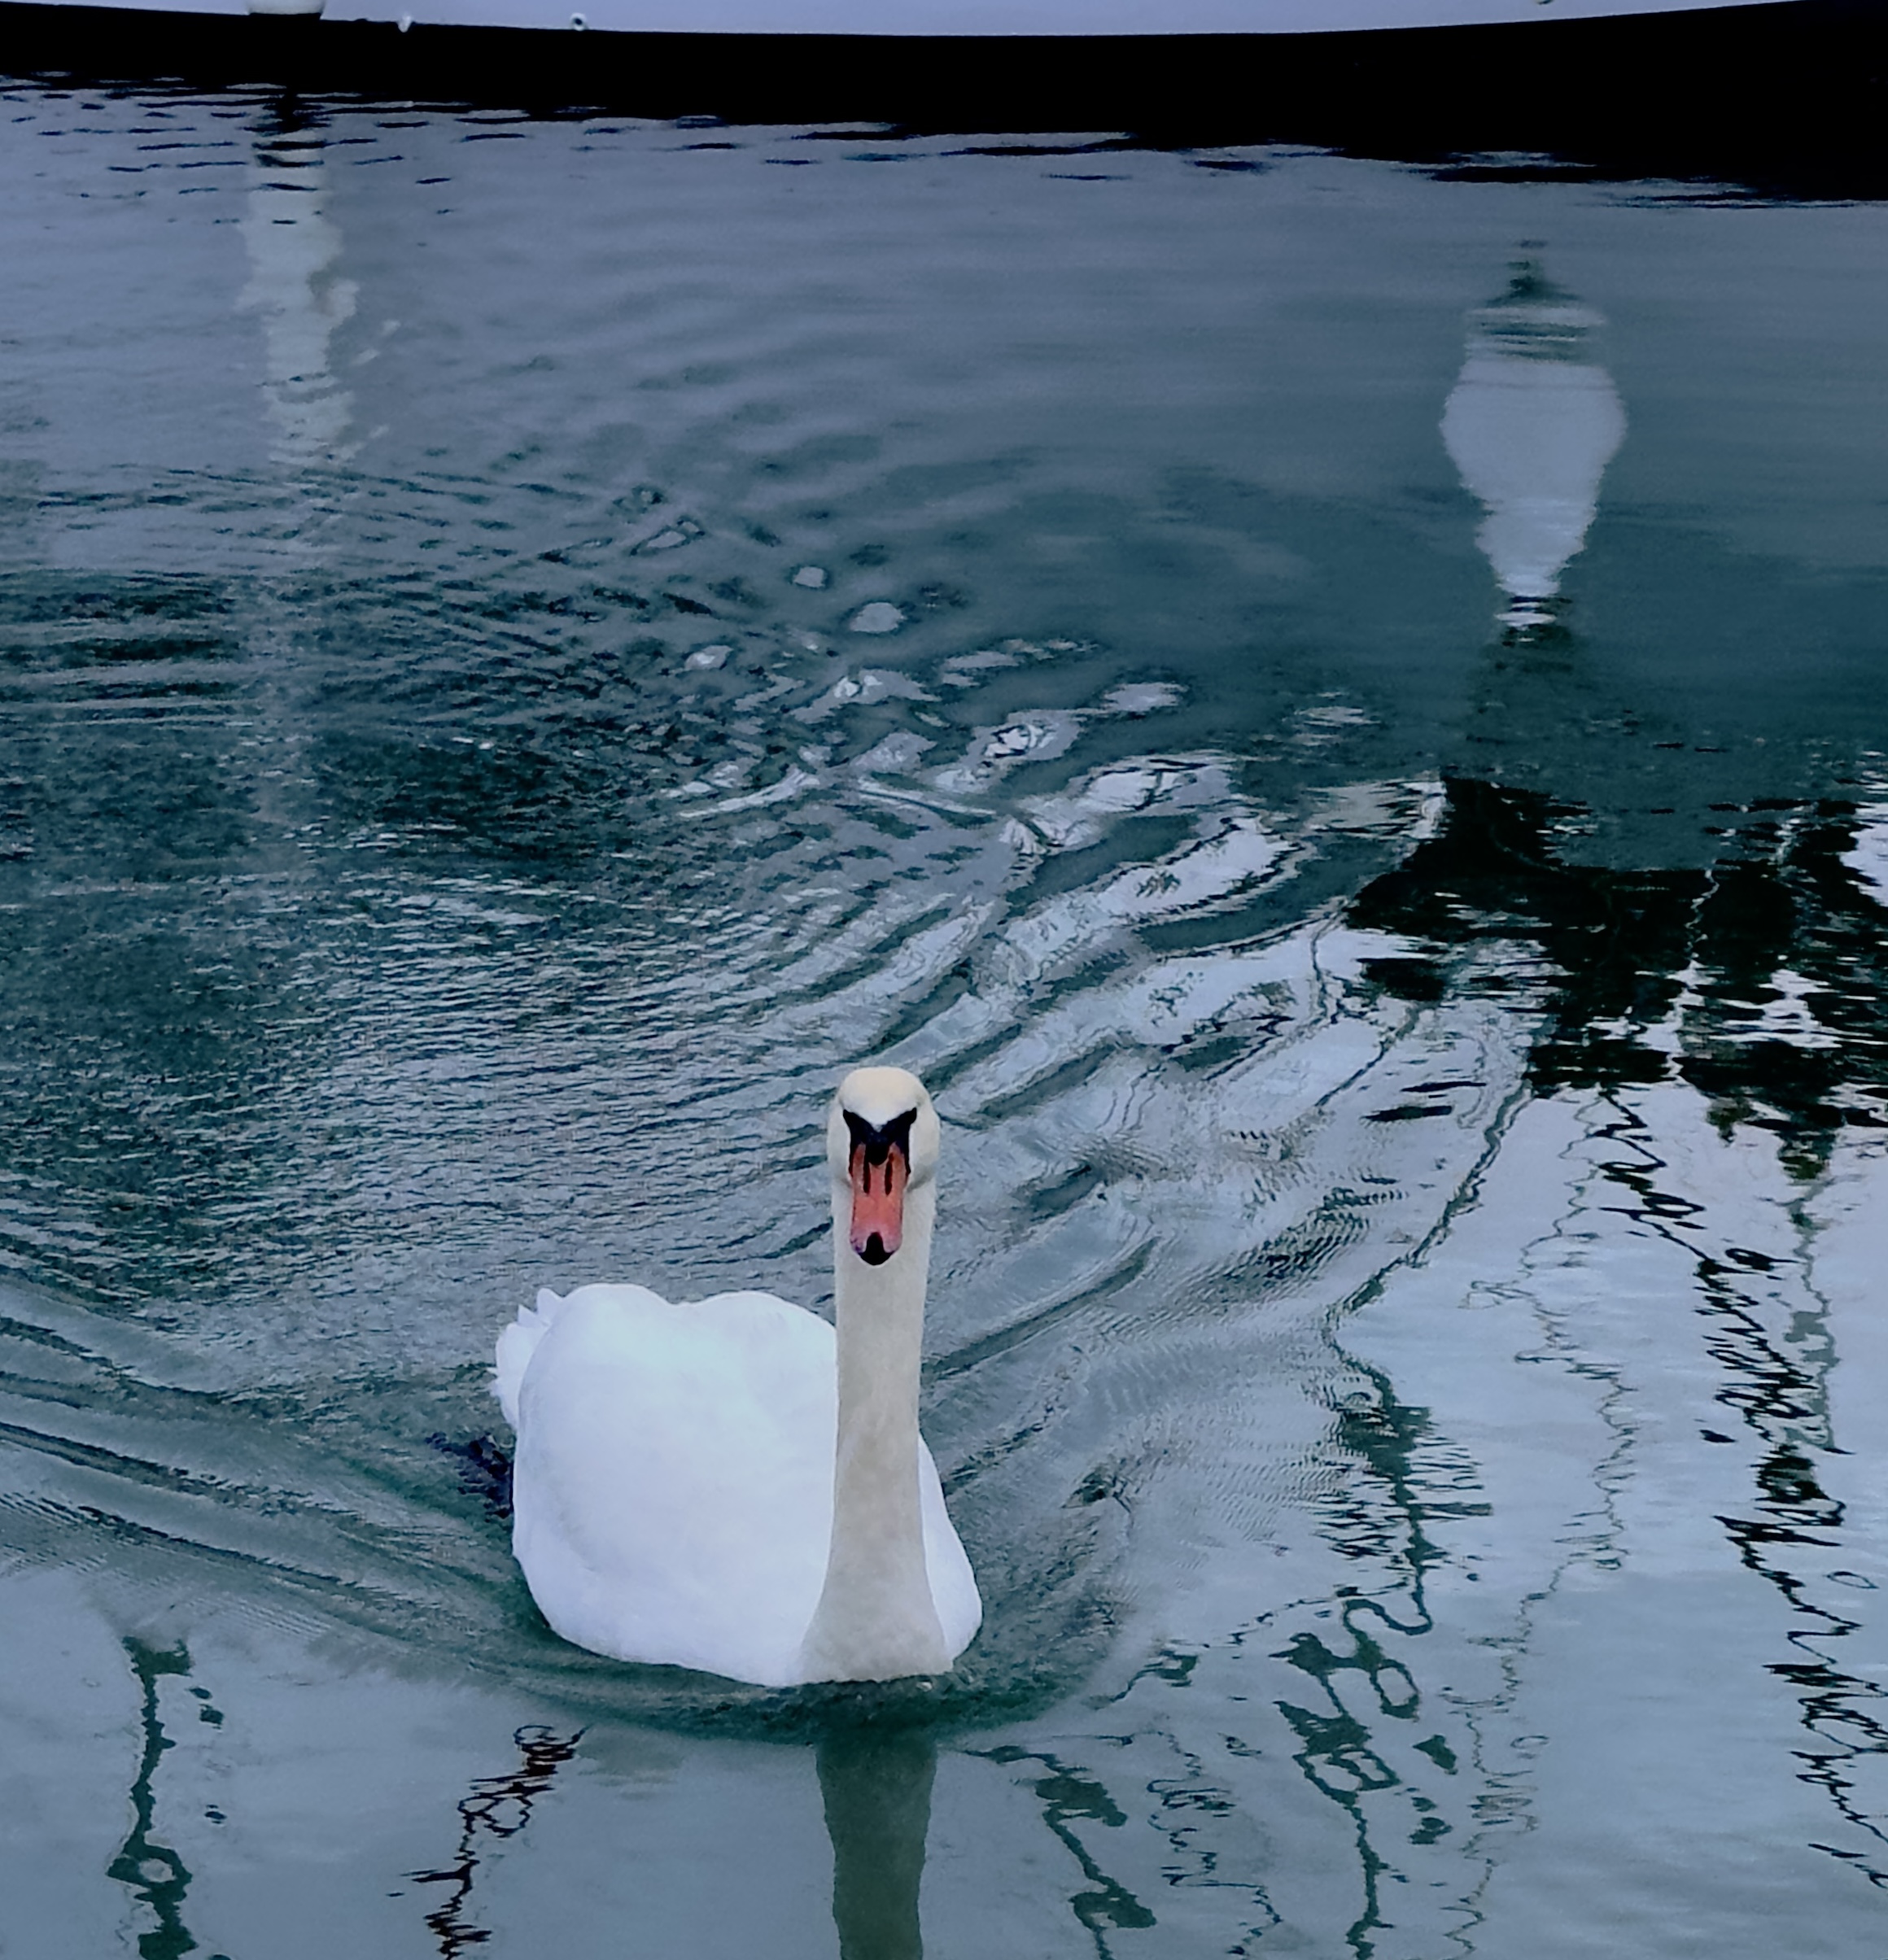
878 1139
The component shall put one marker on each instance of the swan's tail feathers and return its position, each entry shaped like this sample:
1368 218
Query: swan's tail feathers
516 1347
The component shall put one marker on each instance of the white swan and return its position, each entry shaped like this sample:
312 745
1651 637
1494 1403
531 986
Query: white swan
723 1485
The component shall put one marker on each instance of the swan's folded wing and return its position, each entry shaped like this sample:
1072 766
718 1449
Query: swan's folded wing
516 1346
673 1486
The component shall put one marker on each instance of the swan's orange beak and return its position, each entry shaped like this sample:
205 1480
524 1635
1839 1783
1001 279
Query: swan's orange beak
878 1204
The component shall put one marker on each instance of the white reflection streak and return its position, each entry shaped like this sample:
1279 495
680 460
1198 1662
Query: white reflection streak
1531 425
1867 856
293 246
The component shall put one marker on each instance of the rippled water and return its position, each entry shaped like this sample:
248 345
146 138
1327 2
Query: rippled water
1334 712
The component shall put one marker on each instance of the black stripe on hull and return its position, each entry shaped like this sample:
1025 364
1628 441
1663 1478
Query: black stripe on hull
1789 97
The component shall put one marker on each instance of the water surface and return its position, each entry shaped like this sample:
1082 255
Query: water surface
1332 711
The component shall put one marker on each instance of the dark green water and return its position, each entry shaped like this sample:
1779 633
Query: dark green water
530 647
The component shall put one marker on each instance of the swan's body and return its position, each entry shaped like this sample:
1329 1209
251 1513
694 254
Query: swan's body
724 1485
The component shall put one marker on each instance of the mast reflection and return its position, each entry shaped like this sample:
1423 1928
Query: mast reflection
153 1871
496 1808
293 246
1531 424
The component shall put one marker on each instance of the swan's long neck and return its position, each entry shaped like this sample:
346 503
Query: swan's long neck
875 1620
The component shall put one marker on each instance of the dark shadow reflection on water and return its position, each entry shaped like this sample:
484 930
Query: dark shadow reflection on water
153 1870
875 1784
496 1808
1378 1519
1778 1391
1771 958
1754 982
1069 1797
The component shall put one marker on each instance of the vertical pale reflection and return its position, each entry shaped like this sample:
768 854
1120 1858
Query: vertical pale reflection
293 247
1532 425
876 1787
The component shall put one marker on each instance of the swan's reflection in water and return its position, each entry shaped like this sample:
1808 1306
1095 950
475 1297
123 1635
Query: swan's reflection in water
874 1788
1532 425
875 1784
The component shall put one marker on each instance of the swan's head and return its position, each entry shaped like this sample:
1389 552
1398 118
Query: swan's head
882 1139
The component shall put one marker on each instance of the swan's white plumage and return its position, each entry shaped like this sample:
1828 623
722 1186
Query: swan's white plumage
674 1480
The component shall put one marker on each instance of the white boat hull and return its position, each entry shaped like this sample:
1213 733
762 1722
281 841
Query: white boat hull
955 19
